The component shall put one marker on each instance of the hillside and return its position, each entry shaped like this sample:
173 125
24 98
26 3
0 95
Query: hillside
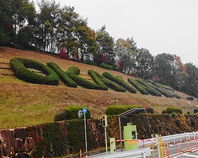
24 104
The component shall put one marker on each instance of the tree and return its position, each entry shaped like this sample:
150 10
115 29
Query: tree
125 55
168 68
191 81
105 46
144 64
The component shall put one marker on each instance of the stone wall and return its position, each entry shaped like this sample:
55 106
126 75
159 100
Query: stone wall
47 140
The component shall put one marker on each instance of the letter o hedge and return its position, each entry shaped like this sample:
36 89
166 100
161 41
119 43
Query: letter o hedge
20 67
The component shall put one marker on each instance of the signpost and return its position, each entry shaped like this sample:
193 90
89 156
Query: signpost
84 111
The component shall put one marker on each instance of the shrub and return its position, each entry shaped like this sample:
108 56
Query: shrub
138 86
73 70
94 75
110 84
148 88
120 82
105 66
20 67
62 115
73 111
195 110
164 86
90 63
161 90
176 96
73 73
118 109
172 110
63 76
150 110
189 98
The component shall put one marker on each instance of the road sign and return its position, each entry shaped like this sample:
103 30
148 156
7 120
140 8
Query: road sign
84 110
80 114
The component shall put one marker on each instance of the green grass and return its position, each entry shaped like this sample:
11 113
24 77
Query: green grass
13 115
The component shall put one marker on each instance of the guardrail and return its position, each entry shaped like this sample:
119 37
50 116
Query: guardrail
170 138
140 153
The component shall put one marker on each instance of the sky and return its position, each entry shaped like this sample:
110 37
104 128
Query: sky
161 26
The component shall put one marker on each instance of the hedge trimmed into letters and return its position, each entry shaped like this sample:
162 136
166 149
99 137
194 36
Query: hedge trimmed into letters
111 84
73 72
63 76
138 86
161 90
94 75
119 82
20 67
151 90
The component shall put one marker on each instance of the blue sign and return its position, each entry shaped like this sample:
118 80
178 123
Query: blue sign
84 110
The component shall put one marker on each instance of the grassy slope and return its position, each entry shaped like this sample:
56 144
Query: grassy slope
24 104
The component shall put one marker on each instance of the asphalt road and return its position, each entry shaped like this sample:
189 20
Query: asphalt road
183 150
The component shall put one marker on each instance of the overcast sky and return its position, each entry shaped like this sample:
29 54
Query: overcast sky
169 26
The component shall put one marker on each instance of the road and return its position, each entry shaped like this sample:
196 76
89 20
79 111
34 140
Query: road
180 150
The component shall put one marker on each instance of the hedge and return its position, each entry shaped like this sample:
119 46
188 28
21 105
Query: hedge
105 66
151 90
164 86
195 110
176 96
110 84
138 86
172 110
73 111
73 70
62 115
94 75
120 82
63 76
73 73
161 90
20 68
118 109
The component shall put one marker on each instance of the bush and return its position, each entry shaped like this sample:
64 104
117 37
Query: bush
164 86
148 88
105 66
176 96
73 70
172 110
118 109
189 98
63 76
110 84
138 86
73 73
120 82
195 110
94 75
62 115
73 112
161 90
90 63
150 110
20 67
